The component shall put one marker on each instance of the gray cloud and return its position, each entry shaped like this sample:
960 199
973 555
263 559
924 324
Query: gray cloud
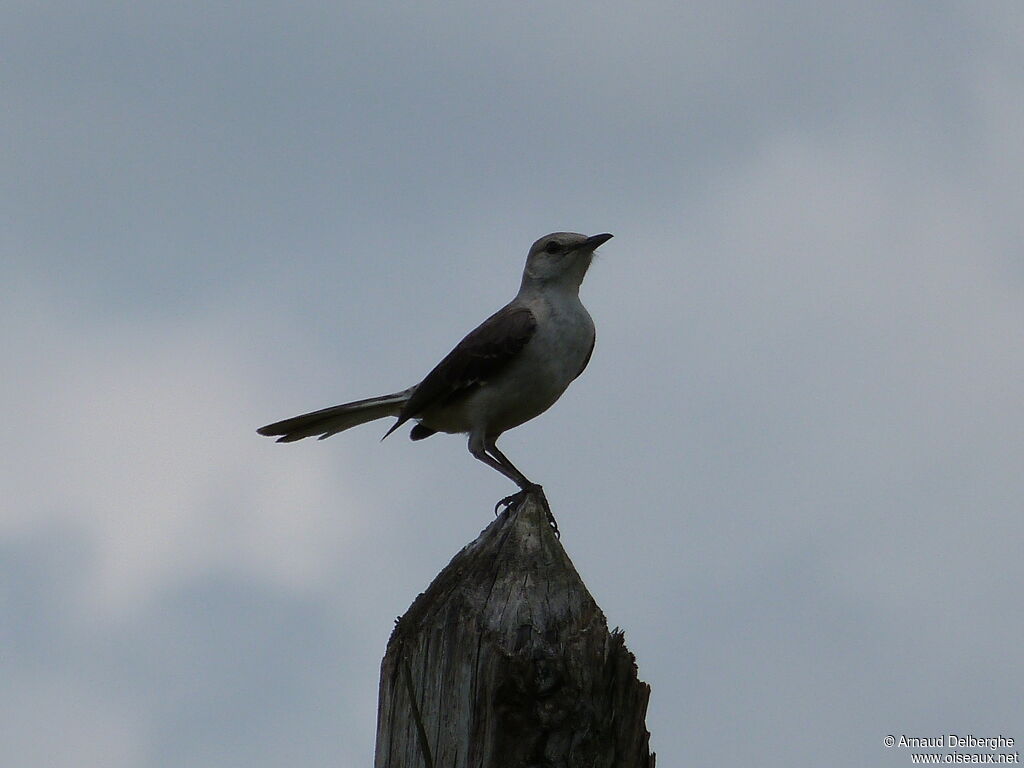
791 472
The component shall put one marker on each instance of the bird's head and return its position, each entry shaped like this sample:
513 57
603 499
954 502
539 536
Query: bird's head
561 258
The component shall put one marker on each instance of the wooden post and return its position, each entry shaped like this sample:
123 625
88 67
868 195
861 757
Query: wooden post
507 662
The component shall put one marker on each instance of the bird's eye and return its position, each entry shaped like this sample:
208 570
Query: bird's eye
552 247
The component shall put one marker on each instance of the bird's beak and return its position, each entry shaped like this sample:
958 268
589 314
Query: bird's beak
595 240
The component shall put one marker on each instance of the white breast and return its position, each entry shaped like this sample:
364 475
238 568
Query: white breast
542 371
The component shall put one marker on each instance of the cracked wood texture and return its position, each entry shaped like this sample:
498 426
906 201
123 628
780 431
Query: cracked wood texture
507 662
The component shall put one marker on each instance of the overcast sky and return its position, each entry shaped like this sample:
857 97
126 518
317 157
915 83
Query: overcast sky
793 472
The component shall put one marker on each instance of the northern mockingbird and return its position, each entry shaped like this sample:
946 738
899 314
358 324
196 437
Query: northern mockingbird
511 368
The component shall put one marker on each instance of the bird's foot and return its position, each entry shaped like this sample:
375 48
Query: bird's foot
517 498
510 502
513 502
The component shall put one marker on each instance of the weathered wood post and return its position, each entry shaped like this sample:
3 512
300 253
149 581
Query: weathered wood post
507 662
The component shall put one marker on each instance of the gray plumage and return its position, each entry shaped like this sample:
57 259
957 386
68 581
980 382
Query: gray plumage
508 370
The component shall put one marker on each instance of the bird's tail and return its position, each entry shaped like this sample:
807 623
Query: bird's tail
330 421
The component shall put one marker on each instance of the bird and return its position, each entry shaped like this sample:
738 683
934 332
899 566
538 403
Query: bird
508 370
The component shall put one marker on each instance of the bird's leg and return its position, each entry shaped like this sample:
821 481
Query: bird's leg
479 446
526 485
483 448
520 479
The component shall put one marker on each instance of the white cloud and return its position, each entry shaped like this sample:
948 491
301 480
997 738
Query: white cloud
141 437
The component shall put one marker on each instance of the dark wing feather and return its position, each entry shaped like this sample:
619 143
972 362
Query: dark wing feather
479 356
586 360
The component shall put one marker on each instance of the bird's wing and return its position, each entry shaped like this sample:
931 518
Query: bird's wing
586 360
479 356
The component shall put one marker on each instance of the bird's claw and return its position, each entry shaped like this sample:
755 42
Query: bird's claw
513 502
509 502
517 498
